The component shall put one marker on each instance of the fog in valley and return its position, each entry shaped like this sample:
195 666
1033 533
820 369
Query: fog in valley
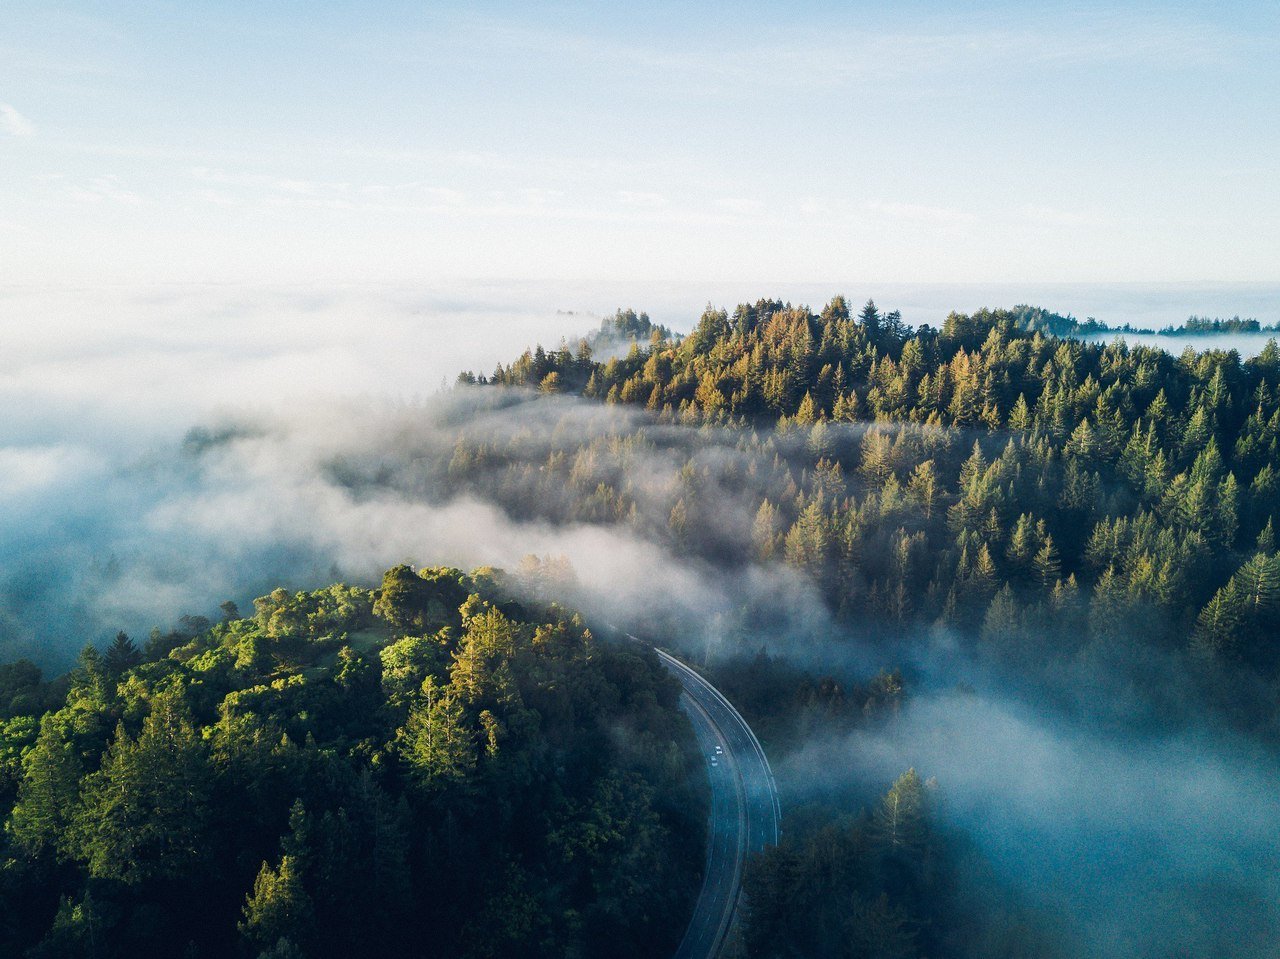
163 453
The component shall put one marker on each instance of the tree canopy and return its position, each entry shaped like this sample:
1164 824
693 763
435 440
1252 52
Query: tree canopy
427 765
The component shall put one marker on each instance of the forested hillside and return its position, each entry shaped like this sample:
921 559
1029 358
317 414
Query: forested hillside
427 768
1058 499
1090 527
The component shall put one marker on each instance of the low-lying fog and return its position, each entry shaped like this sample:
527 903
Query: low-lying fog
115 514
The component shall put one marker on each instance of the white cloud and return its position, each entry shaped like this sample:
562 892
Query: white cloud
14 123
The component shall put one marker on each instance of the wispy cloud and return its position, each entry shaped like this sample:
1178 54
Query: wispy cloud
1163 40
513 201
102 189
922 213
14 123
293 185
740 206
1055 216
640 198
93 189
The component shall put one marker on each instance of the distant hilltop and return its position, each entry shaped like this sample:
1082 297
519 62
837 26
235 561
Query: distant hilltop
1034 319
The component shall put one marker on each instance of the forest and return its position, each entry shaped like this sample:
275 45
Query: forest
835 515
429 767
1044 494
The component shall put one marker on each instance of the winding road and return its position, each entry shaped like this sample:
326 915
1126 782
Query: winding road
745 815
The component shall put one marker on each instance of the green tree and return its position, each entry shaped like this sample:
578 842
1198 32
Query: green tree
923 487
1218 625
142 816
48 791
1258 584
278 910
436 741
1048 567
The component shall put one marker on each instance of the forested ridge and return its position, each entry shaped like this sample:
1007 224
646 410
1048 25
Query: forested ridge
1049 493
427 768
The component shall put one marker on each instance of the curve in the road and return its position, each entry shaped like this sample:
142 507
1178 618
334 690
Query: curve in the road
745 814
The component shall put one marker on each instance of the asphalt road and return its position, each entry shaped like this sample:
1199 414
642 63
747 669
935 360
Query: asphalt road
745 815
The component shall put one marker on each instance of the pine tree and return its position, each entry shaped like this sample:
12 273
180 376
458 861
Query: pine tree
278 910
984 569
1196 435
1003 620
1266 541
435 739
121 655
1047 566
142 814
1257 583
1107 607
47 793
1022 544
869 317
765 535
806 414
966 396
678 523
1066 594
1020 415
1227 512
923 487
806 542
89 680
900 819
1218 625
877 456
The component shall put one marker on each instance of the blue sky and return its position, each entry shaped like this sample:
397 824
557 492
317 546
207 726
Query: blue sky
389 141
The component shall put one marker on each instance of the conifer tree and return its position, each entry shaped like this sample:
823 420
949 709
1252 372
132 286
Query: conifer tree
901 816
1218 625
47 793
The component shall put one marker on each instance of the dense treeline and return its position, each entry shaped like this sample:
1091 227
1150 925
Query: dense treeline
426 768
1200 325
1036 320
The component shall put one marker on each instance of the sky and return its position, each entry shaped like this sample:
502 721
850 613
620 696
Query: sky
385 141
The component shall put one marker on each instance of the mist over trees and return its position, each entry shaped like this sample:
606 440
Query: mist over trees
1085 530
1093 524
1044 495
